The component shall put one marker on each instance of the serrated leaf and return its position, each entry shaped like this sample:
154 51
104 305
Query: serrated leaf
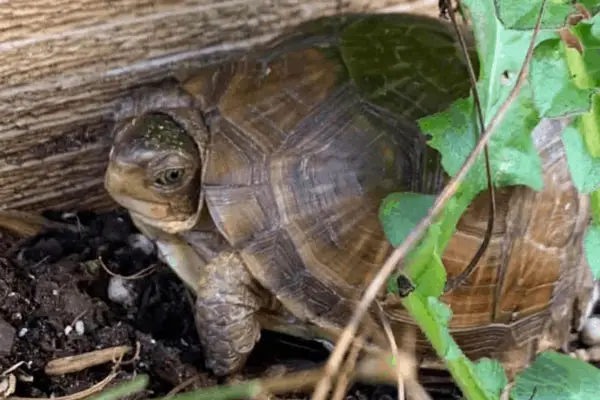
442 314
519 14
501 53
584 167
591 245
513 156
554 93
557 376
492 376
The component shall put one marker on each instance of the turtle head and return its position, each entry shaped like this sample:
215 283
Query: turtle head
154 170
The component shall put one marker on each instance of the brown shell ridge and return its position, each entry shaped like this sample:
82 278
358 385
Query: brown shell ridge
303 213
534 259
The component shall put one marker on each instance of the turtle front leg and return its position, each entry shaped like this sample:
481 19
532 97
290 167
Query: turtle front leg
226 313
227 298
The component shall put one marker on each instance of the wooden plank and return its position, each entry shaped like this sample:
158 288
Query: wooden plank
66 64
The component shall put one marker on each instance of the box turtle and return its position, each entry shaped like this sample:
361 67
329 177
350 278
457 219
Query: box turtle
260 180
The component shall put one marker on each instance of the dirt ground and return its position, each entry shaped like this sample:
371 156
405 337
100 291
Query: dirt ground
62 296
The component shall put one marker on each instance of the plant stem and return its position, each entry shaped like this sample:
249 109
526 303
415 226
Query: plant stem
460 367
128 388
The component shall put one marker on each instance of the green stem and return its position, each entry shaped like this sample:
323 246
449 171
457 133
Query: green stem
459 367
124 389
246 390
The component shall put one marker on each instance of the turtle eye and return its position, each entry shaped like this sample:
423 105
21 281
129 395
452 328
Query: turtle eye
169 177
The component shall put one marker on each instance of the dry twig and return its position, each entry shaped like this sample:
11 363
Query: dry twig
79 395
66 365
138 275
343 380
394 346
452 284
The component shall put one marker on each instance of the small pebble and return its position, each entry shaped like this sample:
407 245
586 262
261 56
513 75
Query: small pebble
587 355
68 330
79 327
23 332
327 344
121 291
590 334
590 306
139 241
594 353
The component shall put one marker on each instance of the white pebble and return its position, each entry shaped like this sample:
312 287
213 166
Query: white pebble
79 327
139 241
68 330
68 215
23 332
121 291
327 344
590 334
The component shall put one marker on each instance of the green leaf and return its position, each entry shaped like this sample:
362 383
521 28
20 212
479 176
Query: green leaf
557 376
554 93
425 267
513 156
491 374
584 168
501 53
581 139
442 314
124 389
591 245
234 391
586 67
593 6
519 14
400 212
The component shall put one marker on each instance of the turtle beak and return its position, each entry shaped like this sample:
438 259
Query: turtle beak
125 185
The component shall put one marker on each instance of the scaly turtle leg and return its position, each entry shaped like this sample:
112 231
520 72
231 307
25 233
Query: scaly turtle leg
227 299
226 313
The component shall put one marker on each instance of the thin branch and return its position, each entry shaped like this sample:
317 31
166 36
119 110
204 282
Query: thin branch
418 231
452 284
394 346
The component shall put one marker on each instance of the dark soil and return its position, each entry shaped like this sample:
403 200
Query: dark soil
55 303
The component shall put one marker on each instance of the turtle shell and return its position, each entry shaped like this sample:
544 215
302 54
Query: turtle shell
310 134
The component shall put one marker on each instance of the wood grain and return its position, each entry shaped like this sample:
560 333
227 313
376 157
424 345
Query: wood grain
66 64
